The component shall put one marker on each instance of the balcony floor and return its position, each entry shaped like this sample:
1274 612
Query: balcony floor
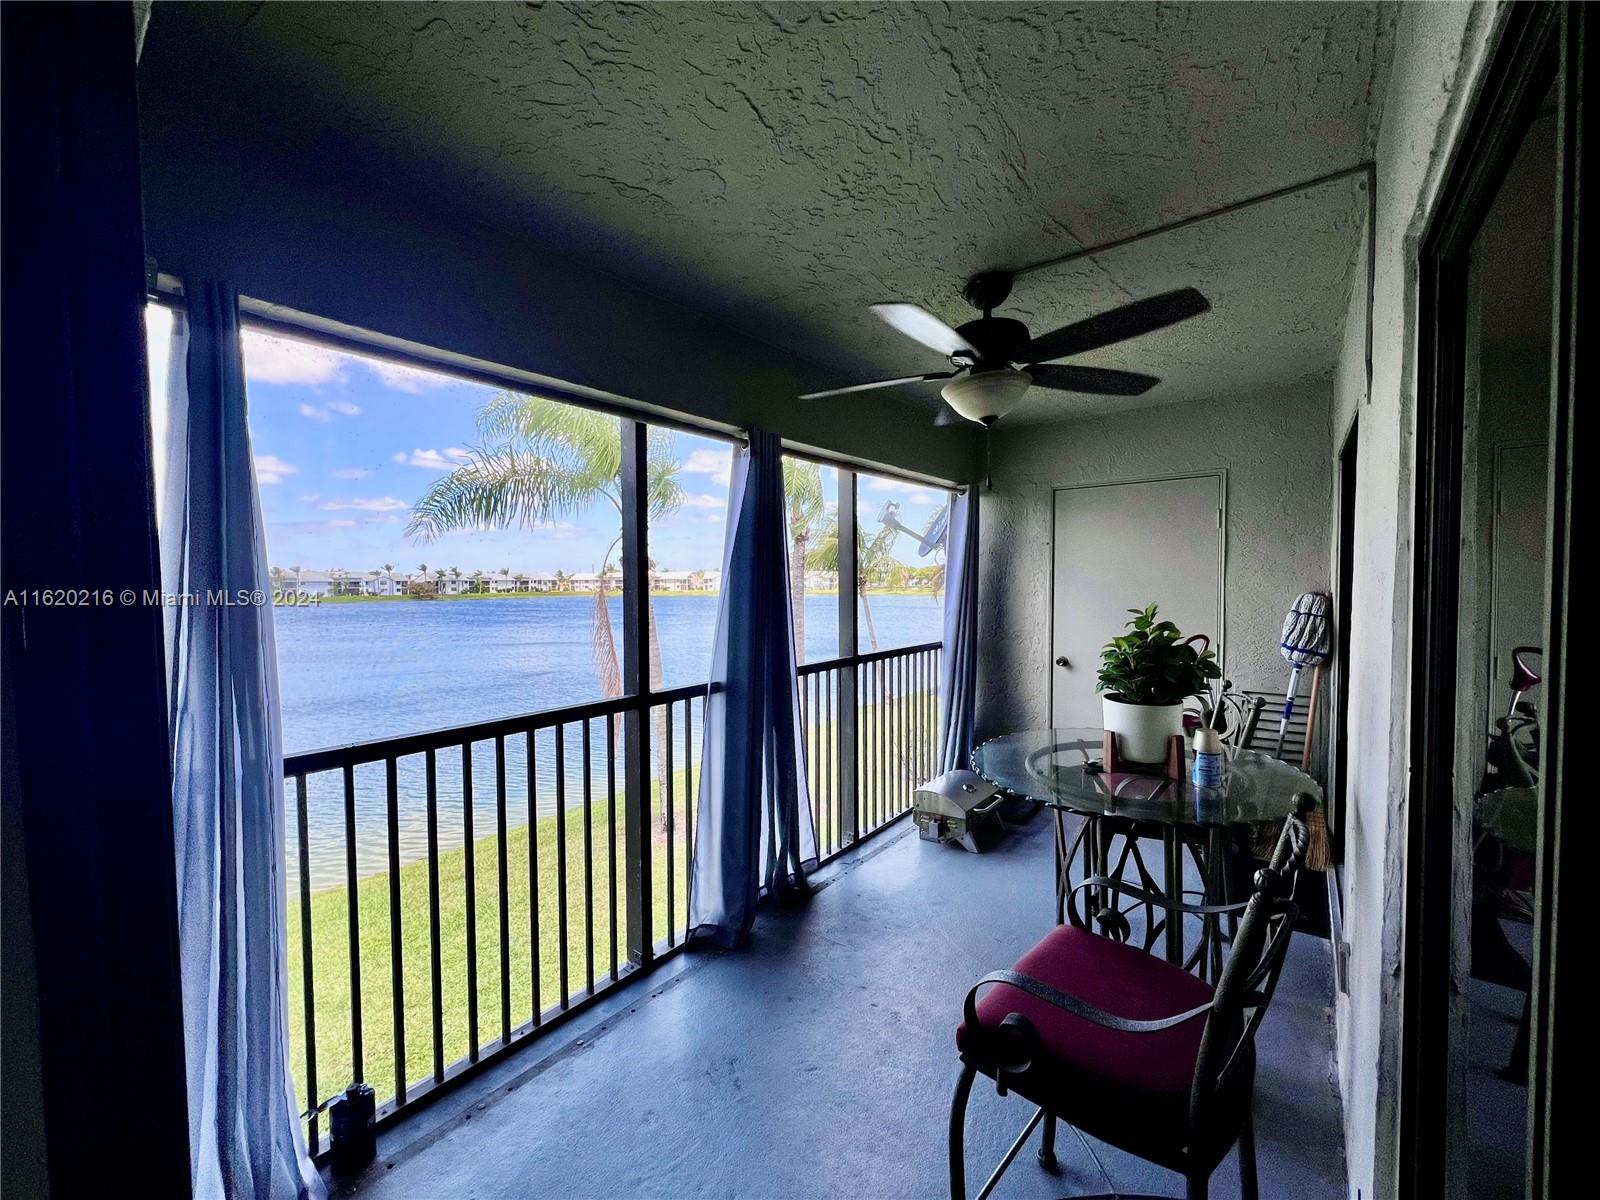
820 1061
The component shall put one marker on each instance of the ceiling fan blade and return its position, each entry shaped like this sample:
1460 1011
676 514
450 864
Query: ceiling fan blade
1118 325
921 325
882 383
1091 381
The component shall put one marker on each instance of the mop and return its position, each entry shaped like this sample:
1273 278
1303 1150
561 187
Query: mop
1304 644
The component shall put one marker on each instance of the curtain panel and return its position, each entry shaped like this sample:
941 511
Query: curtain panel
958 674
227 789
755 831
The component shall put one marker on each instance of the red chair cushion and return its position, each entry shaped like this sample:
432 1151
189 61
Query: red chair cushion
1130 1089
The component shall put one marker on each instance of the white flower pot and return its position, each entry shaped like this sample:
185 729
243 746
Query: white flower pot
1143 729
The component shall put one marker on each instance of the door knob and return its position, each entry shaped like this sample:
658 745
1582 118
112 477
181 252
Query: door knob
1062 661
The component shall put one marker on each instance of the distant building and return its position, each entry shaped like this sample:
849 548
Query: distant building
822 581
309 583
677 581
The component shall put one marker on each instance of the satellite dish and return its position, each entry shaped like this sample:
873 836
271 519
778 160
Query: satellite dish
933 535
930 539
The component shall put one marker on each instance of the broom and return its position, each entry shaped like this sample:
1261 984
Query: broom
1304 644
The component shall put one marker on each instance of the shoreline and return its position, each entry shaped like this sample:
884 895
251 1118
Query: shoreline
287 600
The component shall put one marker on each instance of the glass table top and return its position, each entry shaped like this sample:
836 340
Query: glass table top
1049 765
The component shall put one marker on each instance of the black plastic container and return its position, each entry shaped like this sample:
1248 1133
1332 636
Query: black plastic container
353 1140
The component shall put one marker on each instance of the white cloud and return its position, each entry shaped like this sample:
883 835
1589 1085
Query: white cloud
269 359
341 523
347 407
316 414
704 502
350 473
402 377
365 504
714 519
877 483
922 498
271 470
716 463
434 460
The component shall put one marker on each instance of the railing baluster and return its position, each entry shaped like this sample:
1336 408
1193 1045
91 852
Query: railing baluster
435 959
611 836
535 951
353 918
838 749
812 732
665 791
397 975
830 757
906 761
866 751
307 979
875 700
588 858
561 856
505 889
470 867
690 799
924 765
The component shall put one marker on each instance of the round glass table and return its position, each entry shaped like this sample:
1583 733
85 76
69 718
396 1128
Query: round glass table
1065 770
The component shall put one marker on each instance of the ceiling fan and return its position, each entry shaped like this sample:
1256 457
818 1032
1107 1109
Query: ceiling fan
995 360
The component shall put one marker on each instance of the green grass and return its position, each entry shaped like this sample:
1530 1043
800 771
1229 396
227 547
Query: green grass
589 926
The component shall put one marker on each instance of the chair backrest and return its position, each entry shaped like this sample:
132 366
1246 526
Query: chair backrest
1250 976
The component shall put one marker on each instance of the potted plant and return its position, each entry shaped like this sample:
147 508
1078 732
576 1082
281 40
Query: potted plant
1146 675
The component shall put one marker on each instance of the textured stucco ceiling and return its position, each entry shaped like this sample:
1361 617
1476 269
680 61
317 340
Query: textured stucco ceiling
783 166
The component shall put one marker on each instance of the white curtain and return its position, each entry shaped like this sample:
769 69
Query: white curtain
227 787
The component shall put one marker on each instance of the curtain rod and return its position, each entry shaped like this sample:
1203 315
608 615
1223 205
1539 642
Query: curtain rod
845 462
406 353
352 339
278 318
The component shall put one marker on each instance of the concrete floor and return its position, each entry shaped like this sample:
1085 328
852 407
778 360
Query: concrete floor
819 1062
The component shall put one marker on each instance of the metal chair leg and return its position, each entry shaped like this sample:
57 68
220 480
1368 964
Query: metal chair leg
1047 1146
1247 1159
1199 1187
958 1131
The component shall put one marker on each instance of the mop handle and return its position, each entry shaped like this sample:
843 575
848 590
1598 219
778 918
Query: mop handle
1288 709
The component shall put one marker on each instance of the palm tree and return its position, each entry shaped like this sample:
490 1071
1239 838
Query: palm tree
541 462
875 564
388 571
802 489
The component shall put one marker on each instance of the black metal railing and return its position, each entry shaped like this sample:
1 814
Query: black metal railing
886 704
409 917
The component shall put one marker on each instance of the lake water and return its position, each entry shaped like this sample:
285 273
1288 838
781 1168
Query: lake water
363 671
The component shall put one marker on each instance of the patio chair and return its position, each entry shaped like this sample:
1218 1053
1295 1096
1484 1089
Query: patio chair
1169 1076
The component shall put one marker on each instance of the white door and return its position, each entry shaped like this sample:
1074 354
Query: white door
1125 545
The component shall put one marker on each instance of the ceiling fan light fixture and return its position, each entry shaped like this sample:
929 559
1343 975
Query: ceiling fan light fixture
986 396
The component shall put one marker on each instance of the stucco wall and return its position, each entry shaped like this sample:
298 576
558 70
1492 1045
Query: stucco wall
1274 448
1437 51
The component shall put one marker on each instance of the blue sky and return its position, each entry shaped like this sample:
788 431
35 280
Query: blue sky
345 444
